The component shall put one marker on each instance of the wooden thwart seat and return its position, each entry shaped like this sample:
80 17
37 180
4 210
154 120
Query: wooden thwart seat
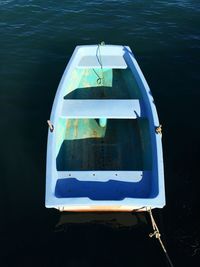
106 108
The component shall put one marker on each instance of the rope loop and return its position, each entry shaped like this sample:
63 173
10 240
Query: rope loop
51 127
156 234
159 129
99 80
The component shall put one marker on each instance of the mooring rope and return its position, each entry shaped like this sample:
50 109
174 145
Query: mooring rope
98 56
157 235
99 79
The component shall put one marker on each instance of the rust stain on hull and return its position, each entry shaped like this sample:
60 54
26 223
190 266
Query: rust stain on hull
95 133
76 128
68 125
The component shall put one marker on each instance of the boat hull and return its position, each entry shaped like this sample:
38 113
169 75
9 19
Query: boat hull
104 153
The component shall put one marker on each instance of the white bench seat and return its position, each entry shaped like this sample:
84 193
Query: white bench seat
102 176
122 109
112 62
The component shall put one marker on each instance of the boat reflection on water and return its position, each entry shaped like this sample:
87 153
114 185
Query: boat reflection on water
105 239
110 219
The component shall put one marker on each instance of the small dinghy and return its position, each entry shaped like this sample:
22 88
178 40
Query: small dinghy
104 149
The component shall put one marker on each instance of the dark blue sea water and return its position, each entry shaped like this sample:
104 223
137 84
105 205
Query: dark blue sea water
37 39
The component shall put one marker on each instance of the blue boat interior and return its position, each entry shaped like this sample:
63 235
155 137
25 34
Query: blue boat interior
121 145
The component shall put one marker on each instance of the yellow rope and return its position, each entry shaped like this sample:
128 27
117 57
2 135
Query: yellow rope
156 232
159 129
157 235
51 127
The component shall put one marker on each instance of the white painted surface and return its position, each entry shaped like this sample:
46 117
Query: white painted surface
102 176
96 61
123 109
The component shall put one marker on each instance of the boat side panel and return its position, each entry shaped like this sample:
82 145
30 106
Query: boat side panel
157 155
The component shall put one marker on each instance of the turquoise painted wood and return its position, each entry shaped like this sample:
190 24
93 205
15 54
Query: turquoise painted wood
103 122
104 150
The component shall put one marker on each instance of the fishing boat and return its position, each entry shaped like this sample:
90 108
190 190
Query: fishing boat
104 150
